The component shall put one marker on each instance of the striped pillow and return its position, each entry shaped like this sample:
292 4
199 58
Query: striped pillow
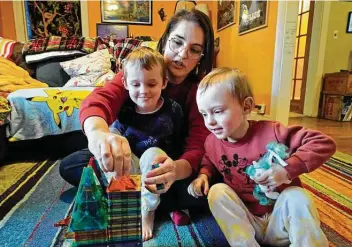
6 47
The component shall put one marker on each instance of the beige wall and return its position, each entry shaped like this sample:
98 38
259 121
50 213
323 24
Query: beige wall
338 50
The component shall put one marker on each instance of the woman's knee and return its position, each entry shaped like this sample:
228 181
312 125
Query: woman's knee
70 167
63 167
296 196
68 174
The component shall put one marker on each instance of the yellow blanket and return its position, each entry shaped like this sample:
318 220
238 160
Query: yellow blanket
13 77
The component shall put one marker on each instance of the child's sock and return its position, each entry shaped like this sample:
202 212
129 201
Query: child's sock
180 217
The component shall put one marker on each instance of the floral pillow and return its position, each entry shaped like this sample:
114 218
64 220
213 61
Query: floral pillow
104 79
85 71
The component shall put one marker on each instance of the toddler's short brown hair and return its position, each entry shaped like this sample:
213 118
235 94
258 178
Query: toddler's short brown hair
146 58
237 82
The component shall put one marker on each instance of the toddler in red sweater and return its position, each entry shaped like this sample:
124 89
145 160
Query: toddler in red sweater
225 100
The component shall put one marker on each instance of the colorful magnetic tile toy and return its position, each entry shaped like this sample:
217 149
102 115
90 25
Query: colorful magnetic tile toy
124 209
104 215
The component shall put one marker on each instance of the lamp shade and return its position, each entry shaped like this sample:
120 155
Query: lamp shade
203 7
184 4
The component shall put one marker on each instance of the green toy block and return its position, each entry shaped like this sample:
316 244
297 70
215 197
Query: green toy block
90 208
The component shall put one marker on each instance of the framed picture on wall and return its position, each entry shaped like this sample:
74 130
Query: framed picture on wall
349 23
253 16
59 18
138 12
225 14
113 30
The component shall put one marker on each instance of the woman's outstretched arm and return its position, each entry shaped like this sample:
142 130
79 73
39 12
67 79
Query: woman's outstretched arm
97 112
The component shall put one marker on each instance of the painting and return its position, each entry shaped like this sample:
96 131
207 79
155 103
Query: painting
253 15
128 12
59 18
349 23
114 31
225 14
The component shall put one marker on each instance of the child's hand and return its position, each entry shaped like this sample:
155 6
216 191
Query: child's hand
195 188
273 177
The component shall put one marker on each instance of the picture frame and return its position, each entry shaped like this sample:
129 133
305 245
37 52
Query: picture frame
349 23
114 31
253 15
42 18
225 14
133 12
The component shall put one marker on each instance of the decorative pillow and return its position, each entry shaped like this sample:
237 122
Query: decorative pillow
53 43
104 78
35 45
57 43
88 44
6 47
84 71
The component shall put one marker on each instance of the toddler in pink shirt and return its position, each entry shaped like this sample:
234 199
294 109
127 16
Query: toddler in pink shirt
225 100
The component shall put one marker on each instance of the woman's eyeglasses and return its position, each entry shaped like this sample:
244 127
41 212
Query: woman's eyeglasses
193 52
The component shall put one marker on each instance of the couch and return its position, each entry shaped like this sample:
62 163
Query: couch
70 68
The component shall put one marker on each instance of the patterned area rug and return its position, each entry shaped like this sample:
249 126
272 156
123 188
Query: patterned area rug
34 197
331 188
16 181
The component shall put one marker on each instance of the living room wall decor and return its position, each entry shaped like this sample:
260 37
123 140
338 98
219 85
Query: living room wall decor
113 30
59 18
253 16
349 23
137 12
225 14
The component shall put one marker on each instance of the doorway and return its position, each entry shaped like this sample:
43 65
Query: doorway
301 55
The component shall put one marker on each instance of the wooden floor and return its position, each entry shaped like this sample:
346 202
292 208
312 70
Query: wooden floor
341 132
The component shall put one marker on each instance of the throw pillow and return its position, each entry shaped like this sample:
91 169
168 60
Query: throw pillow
84 71
100 82
6 47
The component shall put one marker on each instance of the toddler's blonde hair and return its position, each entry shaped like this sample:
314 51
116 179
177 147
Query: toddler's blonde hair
145 58
236 81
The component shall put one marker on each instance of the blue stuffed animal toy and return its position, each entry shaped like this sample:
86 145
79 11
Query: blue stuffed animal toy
276 153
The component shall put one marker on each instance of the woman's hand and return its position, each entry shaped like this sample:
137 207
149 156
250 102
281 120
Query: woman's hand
112 151
195 188
165 174
273 177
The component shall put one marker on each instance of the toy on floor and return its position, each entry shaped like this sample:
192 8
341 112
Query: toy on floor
106 214
276 153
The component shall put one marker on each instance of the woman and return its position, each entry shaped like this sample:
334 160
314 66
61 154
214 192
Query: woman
188 49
